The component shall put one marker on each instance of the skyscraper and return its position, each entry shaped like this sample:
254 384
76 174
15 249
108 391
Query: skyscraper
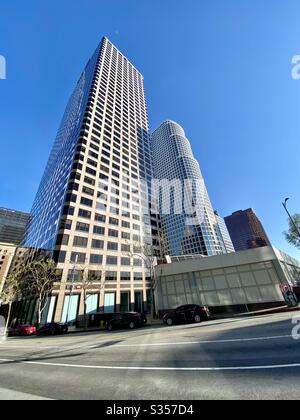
188 220
90 211
225 234
246 230
12 225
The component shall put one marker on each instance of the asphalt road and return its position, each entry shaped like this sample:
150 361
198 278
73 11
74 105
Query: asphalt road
249 358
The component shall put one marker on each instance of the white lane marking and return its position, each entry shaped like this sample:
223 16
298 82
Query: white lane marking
137 368
37 347
186 343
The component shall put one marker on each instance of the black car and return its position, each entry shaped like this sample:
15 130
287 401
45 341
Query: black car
53 328
129 320
187 314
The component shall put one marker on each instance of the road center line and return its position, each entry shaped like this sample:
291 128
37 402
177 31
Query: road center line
144 368
185 343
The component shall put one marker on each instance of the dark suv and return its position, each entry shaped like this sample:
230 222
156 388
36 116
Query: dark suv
187 314
129 320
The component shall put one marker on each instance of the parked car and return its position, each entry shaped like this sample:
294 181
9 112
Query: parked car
129 320
22 330
187 314
53 328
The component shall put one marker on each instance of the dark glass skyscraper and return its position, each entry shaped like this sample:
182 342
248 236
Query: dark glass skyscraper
246 230
12 225
90 210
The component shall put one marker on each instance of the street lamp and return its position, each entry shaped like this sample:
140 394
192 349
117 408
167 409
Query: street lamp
290 216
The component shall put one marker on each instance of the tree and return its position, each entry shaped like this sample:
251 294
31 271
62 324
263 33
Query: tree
153 255
293 234
40 278
87 282
11 291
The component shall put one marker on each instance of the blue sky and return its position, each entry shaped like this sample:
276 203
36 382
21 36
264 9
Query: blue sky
221 68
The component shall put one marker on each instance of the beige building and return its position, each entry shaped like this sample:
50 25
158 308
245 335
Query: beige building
7 253
246 280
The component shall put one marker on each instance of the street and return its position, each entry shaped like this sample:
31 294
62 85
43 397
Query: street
238 358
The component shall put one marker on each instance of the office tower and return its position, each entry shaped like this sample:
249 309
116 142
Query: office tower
246 230
187 217
7 253
90 210
12 225
224 234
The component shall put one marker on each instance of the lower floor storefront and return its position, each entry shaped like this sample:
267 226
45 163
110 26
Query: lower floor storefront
68 306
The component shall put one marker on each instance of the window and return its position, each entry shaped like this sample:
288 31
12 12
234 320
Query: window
86 202
97 244
96 259
125 248
95 275
113 233
84 214
89 180
125 261
125 276
98 230
138 276
82 227
113 221
100 218
111 276
110 260
75 275
112 246
66 224
78 257
62 239
80 242
87 191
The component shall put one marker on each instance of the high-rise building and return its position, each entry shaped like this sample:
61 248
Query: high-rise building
90 211
246 230
7 253
187 217
225 234
12 225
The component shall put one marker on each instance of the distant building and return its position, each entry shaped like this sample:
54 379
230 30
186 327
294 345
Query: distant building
188 231
7 253
12 225
225 234
246 230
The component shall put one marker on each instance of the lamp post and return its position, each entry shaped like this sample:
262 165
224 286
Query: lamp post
290 216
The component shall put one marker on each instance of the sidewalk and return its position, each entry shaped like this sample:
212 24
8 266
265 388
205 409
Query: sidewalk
262 312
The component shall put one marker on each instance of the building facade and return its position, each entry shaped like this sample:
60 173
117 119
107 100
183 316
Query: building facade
246 230
7 253
90 211
225 234
187 217
249 280
12 225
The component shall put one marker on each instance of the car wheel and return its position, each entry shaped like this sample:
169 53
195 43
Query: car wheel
170 322
132 325
197 319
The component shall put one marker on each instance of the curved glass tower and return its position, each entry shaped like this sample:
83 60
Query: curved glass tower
188 220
